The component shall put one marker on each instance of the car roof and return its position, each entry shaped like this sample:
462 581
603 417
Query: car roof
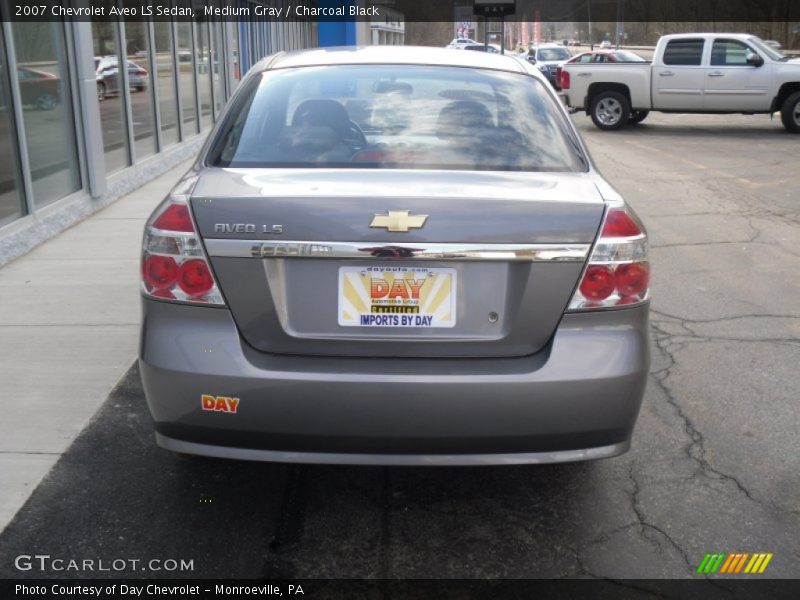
735 36
396 55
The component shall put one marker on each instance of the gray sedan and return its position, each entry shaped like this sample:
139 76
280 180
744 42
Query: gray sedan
397 256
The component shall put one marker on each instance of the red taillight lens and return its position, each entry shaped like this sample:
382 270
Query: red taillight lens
619 224
195 278
563 79
174 264
632 278
161 272
598 283
618 273
175 218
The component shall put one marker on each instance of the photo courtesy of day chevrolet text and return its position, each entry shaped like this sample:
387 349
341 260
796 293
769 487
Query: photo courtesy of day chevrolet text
151 590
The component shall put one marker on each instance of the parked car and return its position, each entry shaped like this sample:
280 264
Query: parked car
39 89
491 48
773 44
599 56
694 72
107 76
504 323
602 56
456 42
547 58
605 45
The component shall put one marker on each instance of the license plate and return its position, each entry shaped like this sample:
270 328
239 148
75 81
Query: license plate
398 297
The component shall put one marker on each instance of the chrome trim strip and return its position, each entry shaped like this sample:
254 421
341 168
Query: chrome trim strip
397 250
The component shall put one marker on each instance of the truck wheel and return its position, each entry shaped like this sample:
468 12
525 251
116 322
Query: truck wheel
637 116
790 113
610 110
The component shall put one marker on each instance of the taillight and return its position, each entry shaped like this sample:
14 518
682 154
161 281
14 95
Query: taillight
618 273
563 79
174 265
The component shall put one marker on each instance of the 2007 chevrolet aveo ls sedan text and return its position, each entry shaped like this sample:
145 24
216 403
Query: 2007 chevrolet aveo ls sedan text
394 256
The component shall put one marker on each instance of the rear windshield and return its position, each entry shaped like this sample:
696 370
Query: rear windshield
553 54
398 116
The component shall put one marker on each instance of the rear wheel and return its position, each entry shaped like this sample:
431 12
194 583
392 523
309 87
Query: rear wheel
790 113
610 110
637 116
46 101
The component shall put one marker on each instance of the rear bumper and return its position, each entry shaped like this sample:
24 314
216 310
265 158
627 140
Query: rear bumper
577 399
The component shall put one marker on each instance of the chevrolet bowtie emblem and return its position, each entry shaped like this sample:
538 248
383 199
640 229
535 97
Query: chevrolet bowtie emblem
399 220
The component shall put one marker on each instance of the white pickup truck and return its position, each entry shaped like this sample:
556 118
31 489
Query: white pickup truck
690 73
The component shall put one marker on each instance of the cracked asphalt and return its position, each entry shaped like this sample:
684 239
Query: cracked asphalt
715 462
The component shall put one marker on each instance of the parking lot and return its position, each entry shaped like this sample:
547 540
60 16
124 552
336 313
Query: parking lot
715 462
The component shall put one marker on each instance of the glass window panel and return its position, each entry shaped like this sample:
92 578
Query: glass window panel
186 78
165 78
105 39
11 206
729 53
137 38
217 67
49 127
204 75
684 52
234 42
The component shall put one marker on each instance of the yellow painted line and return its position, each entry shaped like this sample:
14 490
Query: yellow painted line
765 563
695 164
758 563
753 560
741 562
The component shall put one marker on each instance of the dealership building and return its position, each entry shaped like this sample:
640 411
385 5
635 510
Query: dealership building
77 132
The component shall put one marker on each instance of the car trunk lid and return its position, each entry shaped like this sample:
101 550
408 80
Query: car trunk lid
311 261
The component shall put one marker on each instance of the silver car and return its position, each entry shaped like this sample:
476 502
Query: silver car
397 256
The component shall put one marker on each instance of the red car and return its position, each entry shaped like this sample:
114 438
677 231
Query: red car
38 88
600 56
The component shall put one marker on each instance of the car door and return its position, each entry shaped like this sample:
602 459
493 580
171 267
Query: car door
733 84
678 80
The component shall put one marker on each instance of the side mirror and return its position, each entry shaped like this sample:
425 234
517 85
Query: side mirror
753 59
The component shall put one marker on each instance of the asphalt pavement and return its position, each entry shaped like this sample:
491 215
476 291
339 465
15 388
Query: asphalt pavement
715 462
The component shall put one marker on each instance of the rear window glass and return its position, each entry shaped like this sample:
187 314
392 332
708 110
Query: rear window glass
397 116
684 52
553 54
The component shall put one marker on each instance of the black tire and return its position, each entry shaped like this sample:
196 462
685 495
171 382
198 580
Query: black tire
790 113
46 101
637 116
101 91
610 110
